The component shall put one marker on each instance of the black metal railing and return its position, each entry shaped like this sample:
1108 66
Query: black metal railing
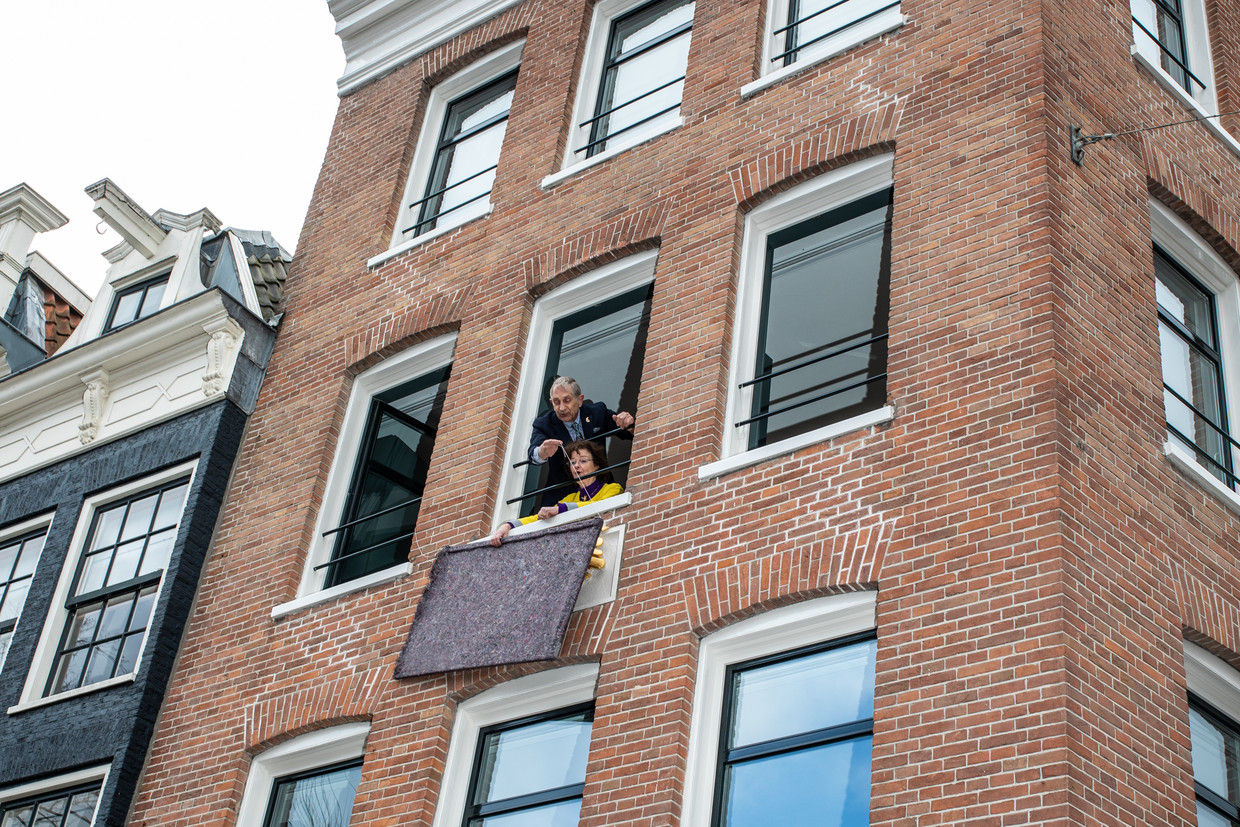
612 134
1168 54
337 560
415 228
788 53
612 432
566 483
766 377
1230 445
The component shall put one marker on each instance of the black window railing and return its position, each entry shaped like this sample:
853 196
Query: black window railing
1169 55
613 133
791 31
417 205
1212 459
352 523
566 484
767 377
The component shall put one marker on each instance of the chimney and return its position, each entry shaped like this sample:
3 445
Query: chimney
23 214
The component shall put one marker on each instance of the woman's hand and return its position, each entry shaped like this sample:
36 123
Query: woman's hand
548 511
500 534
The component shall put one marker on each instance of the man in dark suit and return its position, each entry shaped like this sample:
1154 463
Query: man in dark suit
570 418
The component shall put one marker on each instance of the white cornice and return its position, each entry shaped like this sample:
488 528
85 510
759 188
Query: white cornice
24 203
118 384
379 35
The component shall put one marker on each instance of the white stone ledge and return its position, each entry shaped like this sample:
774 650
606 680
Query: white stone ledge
378 578
119 680
787 446
1208 119
882 25
1184 459
606 155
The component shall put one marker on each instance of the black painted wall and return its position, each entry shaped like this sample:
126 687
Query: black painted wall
115 724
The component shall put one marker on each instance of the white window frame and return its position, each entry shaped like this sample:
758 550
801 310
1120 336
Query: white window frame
486 69
824 193
518 698
780 630
43 521
415 361
772 44
607 281
1199 58
57 616
304 753
588 83
50 785
1192 253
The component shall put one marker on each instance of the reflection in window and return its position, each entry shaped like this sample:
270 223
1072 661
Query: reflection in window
1216 765
466 157
603 348
1192 368
812 23
797 733
643 75
63 808
822 337
531 772
136 302
17 559
115 586
385 496
320 798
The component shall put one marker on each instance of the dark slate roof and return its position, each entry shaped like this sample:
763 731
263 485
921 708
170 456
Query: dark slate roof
268 268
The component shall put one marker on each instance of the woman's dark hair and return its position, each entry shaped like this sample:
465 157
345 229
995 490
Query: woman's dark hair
597 452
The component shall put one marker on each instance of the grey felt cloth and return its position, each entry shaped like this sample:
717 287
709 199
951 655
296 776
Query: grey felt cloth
486 606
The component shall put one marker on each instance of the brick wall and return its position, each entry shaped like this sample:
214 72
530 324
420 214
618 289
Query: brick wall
1037 559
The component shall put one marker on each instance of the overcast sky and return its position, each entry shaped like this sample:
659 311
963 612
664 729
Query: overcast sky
225 105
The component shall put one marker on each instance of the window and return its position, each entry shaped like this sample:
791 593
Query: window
74 807
1170 37
115 587
518 752
381 510
639 55
1213 710
806 31
1197 302
306 781
1192 369
375 485
795 745
782 698
592 329
18 555
532 770
69 800
136 302
457 154
318 798
809 356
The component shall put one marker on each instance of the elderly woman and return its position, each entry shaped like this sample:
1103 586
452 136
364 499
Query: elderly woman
585 458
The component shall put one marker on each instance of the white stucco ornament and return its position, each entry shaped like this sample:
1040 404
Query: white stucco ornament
225 336
93 399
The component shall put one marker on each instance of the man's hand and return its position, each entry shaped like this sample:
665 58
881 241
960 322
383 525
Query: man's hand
500 534
623 420
549 447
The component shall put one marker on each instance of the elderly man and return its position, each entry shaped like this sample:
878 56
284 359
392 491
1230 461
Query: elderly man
570 418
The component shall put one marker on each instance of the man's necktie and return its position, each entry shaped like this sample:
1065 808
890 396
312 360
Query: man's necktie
574 430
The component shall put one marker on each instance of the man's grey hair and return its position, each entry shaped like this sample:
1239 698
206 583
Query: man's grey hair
567 383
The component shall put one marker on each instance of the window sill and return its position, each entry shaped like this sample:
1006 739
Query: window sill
607 154
1188 101
585 512
745 459
1184 460
326 595
119 680
877 27
418 241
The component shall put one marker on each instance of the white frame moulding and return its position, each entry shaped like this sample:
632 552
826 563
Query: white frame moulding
43 521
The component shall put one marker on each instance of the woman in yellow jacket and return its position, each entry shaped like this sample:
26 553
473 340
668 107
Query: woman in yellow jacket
584 460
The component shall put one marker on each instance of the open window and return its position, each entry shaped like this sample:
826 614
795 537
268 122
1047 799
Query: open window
809 350
377 478
800 33
593 330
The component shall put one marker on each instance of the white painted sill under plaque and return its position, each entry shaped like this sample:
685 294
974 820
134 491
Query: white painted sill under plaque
606 155
843 45
378 578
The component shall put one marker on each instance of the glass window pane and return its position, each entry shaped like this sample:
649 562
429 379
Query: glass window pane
126 309
18 816
5 638
115 617
322 800
814 21
804 694
138 520
142 611
158 549
1215 750
541 756
170 503
13 599
108 527
82 809
94 572
154 295
30 551
826 786
1209 818
102 663
68 674
125 561
563 814
127 663
826 296
8 560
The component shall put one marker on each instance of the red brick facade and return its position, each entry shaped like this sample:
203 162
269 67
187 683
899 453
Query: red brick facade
1038 560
